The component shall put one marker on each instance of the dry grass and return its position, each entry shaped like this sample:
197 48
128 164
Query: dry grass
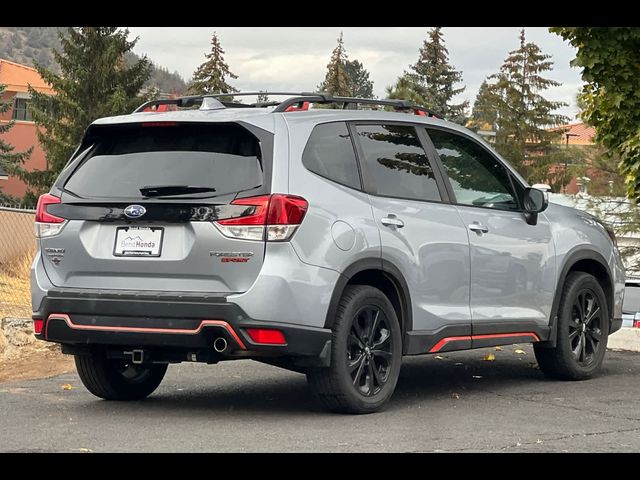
15 294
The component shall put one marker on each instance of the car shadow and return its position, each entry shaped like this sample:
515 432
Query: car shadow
421 379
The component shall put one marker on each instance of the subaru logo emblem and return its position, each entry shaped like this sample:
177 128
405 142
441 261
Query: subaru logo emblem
135 211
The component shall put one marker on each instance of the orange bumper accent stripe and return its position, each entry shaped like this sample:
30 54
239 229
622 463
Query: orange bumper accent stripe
175 331
438 346
444 341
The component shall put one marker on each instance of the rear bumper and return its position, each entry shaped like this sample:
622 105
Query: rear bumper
190 323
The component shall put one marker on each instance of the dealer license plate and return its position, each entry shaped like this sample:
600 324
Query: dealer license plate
138 241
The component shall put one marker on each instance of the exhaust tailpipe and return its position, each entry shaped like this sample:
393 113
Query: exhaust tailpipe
220 344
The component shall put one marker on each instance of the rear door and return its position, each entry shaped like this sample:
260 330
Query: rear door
421 234
136 222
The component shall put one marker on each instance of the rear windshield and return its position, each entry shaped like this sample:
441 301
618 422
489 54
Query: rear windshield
124 159
631 299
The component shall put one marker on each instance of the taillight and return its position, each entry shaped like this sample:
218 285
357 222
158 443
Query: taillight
267 336
37 325
41 210
273 218
46 223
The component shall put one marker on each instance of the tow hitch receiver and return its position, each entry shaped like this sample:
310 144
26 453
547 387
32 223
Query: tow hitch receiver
137 356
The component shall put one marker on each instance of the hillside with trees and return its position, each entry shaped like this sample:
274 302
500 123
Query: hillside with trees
27 45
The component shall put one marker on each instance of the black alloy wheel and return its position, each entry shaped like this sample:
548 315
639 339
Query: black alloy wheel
585 327
366 354
369 350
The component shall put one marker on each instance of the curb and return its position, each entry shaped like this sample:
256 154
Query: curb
625 339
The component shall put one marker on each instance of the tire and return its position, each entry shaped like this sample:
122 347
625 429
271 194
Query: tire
118 379
578 354
374 372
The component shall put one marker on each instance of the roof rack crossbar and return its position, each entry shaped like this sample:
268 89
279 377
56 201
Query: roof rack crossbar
348 103
191 100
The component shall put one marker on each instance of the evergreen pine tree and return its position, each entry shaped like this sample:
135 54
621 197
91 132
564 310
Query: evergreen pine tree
523 114
94 82
358 77
404 90
8 157
434 80
484 111
336 82
211 77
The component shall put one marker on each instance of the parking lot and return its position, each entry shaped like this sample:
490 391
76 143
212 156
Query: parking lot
454 402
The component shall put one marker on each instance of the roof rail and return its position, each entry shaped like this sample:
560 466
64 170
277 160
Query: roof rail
351 103
348 103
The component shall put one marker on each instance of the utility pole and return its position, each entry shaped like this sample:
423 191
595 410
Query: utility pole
566 161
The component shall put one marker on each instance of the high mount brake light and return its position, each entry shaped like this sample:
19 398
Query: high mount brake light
47 224
273 218
159 124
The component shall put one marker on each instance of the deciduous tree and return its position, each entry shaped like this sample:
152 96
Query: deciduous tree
610 62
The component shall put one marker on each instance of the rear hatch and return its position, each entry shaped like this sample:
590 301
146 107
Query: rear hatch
139 207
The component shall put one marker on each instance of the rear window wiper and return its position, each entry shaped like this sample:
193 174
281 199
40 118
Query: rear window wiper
168 190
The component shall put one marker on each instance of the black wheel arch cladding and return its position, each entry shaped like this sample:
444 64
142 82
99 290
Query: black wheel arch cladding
356 274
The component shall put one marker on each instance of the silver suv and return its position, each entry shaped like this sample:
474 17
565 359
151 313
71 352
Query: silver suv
329 241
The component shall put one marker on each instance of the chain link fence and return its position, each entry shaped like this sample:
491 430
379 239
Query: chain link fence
17 248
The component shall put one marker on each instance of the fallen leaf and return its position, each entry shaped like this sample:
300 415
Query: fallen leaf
85 450
520 352
538 442
518 444
439 357
489 357
67 386
455 396
498 349
458 364
477 376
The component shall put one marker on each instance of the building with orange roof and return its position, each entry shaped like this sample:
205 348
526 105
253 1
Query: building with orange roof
23 135
576 134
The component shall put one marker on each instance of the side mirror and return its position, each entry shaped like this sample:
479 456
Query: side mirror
534 202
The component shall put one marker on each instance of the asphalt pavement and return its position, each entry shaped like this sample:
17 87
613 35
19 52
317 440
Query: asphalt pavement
454 402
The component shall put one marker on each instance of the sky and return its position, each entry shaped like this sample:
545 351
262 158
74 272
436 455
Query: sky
295 58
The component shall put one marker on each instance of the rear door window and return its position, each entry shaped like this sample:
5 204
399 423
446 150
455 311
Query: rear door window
396 163
329 153
124 159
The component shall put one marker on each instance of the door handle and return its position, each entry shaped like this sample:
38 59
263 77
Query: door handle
392 221
478 228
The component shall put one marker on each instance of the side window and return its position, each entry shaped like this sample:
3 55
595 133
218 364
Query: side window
476 176
396 163
329 153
